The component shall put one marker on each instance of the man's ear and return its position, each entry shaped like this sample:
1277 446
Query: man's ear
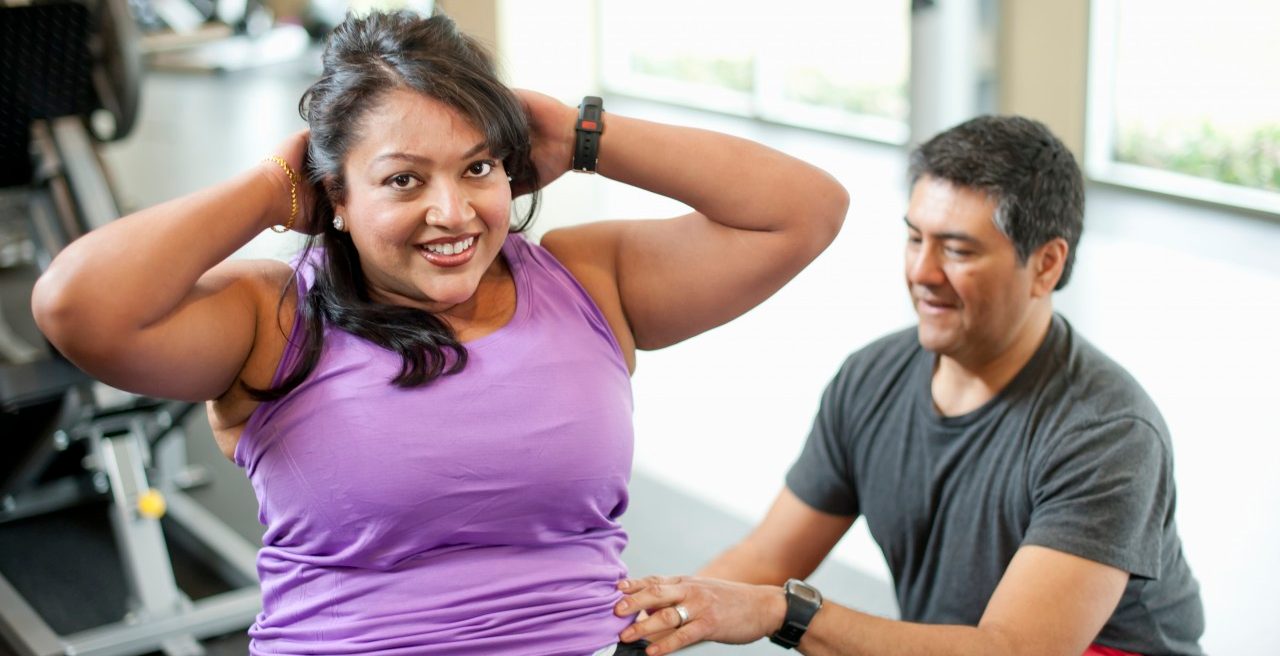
1047 263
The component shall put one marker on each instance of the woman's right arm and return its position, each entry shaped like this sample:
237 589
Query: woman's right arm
147 303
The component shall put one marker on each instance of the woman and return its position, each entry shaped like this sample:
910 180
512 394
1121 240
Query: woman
435 412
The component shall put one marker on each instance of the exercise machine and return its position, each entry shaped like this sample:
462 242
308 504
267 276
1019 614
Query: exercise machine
70 81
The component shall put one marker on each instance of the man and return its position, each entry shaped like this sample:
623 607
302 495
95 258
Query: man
1018 481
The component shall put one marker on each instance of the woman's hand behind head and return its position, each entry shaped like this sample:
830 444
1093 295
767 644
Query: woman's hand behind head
551 133
293 150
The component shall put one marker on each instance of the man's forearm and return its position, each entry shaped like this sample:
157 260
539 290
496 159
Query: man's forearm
742 563
840 631
790 542
738 613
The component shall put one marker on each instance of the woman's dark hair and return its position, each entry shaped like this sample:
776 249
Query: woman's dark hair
1035 181
365 58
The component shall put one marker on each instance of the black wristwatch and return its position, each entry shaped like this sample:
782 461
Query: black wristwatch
586 144
803 602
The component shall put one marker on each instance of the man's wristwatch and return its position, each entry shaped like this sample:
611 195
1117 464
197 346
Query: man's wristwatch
803 602
586 143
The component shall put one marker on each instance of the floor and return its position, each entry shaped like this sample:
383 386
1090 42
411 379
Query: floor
1186 297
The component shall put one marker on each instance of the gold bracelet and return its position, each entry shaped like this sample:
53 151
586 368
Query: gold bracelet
293 193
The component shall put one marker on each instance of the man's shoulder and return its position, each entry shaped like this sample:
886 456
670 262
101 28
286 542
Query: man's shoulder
894 344
878 369
1093 385
897 346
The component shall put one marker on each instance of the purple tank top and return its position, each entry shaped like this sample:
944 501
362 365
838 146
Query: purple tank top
475 515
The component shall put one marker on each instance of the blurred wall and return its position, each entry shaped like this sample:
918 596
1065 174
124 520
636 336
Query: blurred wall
479 18
1042 64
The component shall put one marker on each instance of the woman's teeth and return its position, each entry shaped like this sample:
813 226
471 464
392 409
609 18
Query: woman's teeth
451 248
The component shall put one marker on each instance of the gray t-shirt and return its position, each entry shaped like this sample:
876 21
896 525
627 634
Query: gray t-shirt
1072 455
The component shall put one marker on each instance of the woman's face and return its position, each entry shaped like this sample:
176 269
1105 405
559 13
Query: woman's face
426 204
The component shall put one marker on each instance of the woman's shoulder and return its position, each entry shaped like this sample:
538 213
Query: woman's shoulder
257 274
578 240
271 286
587 253
265 285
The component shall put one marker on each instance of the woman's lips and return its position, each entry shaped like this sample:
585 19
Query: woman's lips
449 251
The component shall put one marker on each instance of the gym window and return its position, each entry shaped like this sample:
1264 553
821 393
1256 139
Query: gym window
1187 102
828 65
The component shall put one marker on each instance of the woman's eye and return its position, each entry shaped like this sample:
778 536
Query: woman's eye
403 181
479 169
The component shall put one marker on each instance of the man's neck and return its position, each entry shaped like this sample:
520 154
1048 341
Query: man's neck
962 385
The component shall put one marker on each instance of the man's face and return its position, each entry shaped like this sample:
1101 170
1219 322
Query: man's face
972 295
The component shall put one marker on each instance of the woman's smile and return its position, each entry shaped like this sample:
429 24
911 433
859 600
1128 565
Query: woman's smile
449 251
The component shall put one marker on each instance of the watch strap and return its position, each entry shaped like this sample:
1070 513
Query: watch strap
800 611
587 131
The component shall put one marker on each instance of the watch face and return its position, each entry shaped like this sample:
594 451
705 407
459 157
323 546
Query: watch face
804 591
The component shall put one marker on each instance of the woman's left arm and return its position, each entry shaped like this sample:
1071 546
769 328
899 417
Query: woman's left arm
759 218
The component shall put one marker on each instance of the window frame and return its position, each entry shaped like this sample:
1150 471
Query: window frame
759 104
1100 163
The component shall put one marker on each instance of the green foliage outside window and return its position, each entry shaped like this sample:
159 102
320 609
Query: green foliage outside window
808 86
814 87
1251 159
733 74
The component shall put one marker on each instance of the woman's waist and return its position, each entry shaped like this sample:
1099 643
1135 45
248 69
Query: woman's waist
475 596
481 577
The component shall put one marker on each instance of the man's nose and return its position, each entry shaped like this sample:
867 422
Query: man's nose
923 266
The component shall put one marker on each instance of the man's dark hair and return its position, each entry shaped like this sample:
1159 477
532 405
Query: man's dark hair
365 59
1034 179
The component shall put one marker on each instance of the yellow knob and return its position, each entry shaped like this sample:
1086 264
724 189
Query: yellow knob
151 504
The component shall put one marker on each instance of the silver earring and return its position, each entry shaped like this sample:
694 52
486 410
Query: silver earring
339 224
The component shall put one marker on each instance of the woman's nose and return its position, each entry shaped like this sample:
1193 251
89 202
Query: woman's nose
448 206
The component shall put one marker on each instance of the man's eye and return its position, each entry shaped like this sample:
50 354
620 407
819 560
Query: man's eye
479 169
959 252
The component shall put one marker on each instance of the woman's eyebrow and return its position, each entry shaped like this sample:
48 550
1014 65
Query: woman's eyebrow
423 159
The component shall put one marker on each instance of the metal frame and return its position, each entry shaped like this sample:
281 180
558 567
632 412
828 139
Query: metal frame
71 196
161 617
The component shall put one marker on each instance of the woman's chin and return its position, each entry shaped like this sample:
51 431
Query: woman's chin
444 298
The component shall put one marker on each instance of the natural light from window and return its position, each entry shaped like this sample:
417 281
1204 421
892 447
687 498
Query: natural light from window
1192 91
845 72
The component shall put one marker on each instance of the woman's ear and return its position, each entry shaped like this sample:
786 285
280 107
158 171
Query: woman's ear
335 191
1048 262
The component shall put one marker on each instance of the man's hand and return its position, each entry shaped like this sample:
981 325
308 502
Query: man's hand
719 611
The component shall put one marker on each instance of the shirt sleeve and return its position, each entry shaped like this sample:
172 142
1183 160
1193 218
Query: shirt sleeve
1105 492
822 477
